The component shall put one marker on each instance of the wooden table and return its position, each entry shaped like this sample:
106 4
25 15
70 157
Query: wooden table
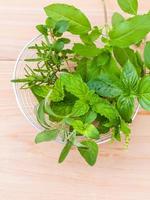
31 172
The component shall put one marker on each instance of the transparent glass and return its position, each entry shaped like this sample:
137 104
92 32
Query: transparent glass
25 99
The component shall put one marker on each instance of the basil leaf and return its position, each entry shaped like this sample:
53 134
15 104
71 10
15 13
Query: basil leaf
147 55
130 31
61 27
57 93
117 19
85 50
90 154
95 34
77 25
50 23
129 6
144 93
106 85
46 136
129 77
80 108
65 151
125 105
42 29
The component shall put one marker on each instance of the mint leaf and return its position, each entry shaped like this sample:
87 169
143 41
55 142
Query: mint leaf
90 117
65 151
130 31
57 93
90 154
125 105
40 90
144 93
129 6
75 85
117 19
106 85
46 136
78 22
125 128
108 111
91 131
86 50
80 108
129 77
147 55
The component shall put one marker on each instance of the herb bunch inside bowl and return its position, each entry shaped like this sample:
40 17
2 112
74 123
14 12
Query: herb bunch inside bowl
85 91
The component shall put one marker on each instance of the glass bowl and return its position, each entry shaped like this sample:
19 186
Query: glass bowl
25 99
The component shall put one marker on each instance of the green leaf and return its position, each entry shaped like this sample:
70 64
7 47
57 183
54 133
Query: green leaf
75 85
130 31
90 117
122 55
40 90
144 93
61 27
77 125
85 50
95 34
41 115
125 128
106 85
112 67
57 93
129 6
107 110
81 68
42 29
62 108
58 46
46 136
116 134
65 151
125 105
147 55
91 132
117 19
78 22
129 77
80 108
90 154
50 23
86 39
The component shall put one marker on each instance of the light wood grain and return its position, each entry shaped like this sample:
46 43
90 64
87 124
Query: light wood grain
31 172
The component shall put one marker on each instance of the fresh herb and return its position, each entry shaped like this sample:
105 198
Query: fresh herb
96 93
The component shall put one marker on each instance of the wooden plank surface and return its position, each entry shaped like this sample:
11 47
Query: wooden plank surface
31 172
